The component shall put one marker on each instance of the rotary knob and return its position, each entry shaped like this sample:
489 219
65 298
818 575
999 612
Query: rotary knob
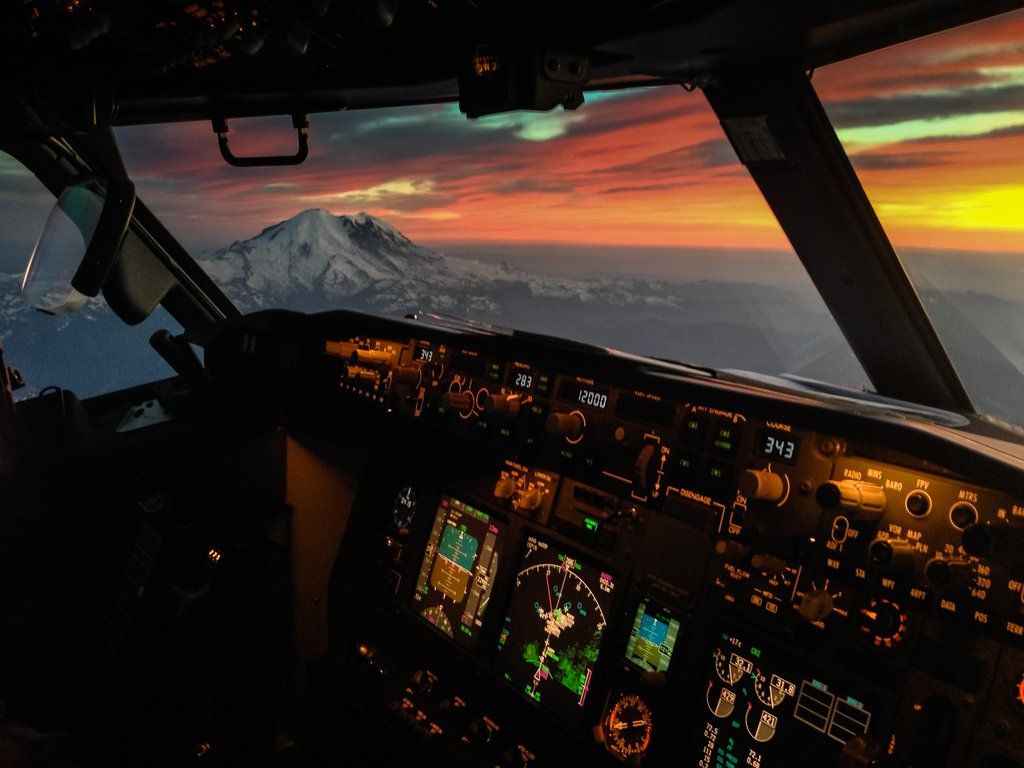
943 573
762 485
529 500
373 358
409 375
458 401
567 425
505 488
816 605
895 555
504 406
864 501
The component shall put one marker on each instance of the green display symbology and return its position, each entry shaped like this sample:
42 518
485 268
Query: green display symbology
551 640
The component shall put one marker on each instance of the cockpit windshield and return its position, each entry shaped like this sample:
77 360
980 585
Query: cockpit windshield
935 130
629 223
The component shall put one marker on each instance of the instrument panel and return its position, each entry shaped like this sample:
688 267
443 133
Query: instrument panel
580 558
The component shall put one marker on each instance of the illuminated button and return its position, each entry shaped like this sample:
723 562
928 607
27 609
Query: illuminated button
725 438
918 503
963 514
716 478
692 433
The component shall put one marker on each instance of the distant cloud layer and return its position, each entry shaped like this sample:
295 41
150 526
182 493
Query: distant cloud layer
935 128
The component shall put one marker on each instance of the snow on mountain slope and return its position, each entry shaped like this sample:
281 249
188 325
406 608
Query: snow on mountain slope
316 260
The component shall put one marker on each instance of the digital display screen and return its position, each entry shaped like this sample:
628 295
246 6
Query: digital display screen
522 379
425 354
583 394
454 584
652 639
649 408
557 617
778 446
764 711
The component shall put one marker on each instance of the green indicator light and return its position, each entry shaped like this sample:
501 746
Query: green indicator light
725 445
755 652
590 523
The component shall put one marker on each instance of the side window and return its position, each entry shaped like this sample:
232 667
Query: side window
90 351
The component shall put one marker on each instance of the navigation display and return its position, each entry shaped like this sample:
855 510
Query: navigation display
652 639
557 617
763 711
461 557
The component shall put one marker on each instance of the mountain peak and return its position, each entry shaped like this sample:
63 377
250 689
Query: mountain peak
318 252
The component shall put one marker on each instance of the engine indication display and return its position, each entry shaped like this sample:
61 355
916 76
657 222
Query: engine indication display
557 617
652 639
761 711
454 584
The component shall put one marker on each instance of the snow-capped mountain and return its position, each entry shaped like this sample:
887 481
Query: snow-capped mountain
316 260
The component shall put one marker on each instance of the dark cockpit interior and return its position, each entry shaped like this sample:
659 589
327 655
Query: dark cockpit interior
335 537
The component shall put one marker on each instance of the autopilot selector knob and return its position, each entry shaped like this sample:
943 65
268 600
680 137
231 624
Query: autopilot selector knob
762 485
943 572
816 605
505 488
862 501
895 555
567 425
503 406
458 401
409 375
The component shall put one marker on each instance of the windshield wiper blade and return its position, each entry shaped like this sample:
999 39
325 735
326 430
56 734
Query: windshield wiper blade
458 323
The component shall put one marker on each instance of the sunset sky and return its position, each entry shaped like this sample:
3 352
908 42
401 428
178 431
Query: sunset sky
935 128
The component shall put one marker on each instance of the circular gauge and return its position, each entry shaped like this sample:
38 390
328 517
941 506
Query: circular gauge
882 623
726 668
629 726
435 615
720 700
1018 694
405 508
769 690
760 725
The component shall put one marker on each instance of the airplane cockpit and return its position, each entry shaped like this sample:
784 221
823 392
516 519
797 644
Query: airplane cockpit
488 384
